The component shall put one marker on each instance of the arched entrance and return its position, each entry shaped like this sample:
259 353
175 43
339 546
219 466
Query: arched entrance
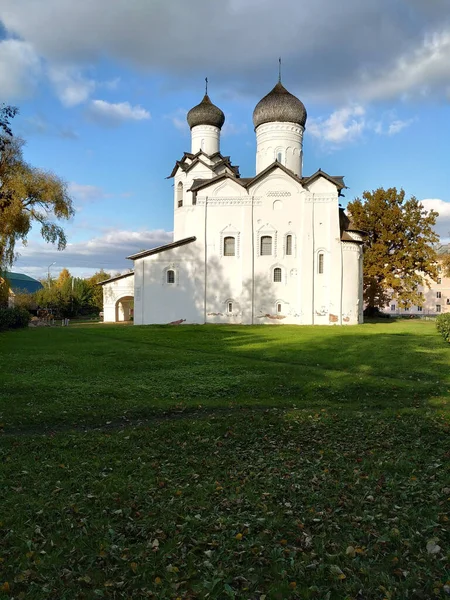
124 308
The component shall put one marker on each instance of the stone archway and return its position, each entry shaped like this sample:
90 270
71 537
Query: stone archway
124 308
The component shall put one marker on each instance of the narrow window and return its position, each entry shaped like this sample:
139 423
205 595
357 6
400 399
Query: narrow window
321 263
438 308
278 308
438 294
392 307
279 157
266 245
180 194
170 276
230 307
277 275
288 245
229 246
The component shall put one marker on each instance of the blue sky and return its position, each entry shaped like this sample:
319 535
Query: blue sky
103 89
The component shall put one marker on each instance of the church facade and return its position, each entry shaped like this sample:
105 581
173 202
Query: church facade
272 248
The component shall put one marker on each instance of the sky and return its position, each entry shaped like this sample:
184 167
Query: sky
103 89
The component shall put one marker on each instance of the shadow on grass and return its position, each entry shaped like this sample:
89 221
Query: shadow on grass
84 376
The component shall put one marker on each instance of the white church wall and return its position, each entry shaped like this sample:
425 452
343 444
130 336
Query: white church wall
277 213
352 302
159 301
112 293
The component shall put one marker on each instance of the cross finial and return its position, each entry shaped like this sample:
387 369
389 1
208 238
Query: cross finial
279 70
206 86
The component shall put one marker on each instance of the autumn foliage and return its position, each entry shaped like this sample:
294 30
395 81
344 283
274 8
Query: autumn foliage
399 246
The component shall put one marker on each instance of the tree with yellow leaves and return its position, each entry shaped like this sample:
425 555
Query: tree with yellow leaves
399 246
27 196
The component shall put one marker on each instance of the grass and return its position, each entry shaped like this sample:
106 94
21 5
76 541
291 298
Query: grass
225 462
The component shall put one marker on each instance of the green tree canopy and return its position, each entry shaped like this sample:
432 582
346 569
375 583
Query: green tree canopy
399 245
27 195
97 290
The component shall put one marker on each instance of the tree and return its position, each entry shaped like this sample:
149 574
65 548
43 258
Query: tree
97 290
398 248
27 195
63 276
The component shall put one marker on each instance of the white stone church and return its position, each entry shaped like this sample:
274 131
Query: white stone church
271 248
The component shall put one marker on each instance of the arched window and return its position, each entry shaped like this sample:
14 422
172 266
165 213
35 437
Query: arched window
288 245
320 263
170 276
277 275
179 194
229 246
230 307
279 157
266 245
278 307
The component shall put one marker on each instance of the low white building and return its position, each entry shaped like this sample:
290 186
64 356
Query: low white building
272 248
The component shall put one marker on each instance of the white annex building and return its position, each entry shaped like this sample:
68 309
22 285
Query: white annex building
271 248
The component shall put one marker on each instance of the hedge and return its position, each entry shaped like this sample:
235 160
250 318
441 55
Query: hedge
443 326
13 318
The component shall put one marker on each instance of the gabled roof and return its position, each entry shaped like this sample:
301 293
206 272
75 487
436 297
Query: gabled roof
115 278
170 246
21 283
199 184
196 158
243 181
274 165
337 180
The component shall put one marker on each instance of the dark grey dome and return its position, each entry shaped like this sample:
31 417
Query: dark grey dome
279 105
206 113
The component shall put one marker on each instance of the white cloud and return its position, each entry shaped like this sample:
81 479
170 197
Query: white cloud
86 193
106 251
443 221
349 124
415 73
384 49
178 119
19 69
398 125
342 126
71 86
115 114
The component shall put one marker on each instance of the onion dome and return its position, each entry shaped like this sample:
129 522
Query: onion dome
279 105
206 113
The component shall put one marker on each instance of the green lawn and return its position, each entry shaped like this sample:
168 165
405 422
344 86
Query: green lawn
225 462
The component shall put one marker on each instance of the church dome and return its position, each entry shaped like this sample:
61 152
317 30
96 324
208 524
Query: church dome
279 105
206 113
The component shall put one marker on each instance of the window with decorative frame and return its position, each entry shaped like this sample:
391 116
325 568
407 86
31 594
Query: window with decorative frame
229 307
277 275
279 307
288 246
229 246
170 276
266 245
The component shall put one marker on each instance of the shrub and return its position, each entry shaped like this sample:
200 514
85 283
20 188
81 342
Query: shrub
443 326
13 318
